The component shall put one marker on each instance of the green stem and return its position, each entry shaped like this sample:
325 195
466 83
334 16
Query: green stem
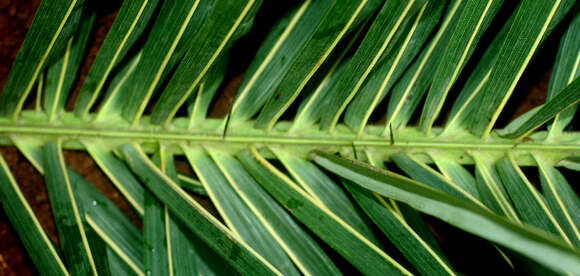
117 132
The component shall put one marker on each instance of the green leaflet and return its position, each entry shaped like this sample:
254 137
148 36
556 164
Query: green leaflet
342 17
67 212
40 248
181 257
236 214
307 64
189 255
562 200
99 248
155 237
127 27
112 104
414 218
282 45
474 20
470 97
170 248
531 22
491 189
424 174
367 56
157 240
572 163
101 216
408 42
517 123
61 75
322 45
426 260
111 226
539 246
462 178
409 215
566 69
116 265
54 23
229 20
39 90
324 190
31 148
198 220
119 174
456 173
173 30
531 207
126 246
424 254
355 248
470 93
529 203
299 246
411 87
125 243
308 110
565 99
206 90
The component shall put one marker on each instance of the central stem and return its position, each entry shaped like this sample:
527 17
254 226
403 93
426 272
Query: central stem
209 133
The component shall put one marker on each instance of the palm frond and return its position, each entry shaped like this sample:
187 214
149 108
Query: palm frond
319 166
